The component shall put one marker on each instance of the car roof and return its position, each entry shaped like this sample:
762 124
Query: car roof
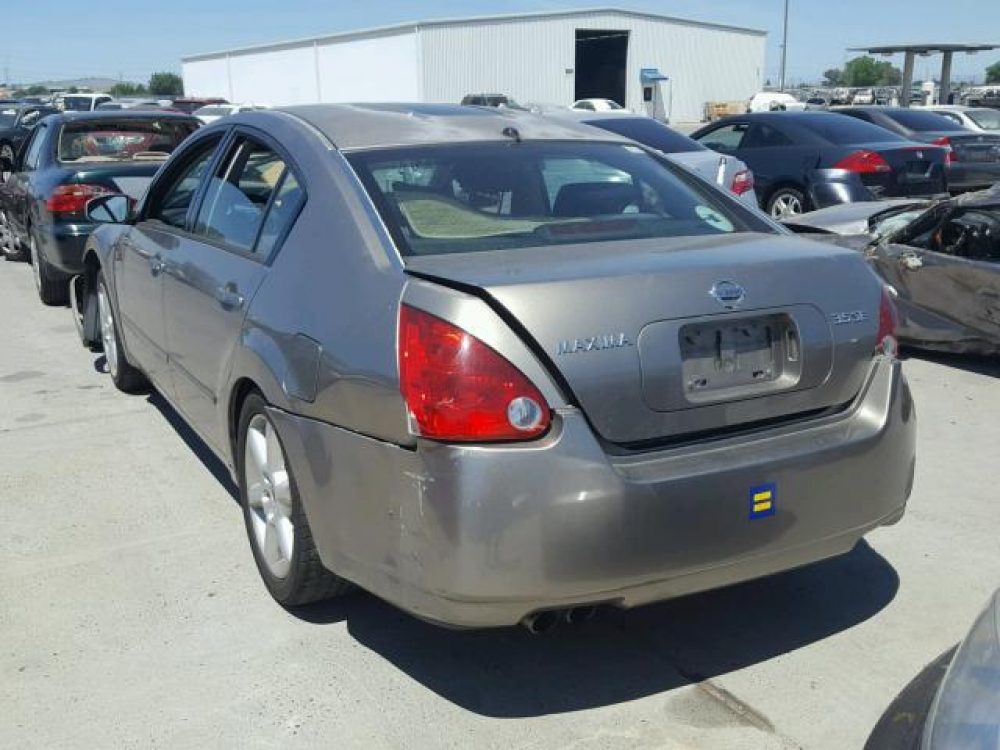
118 115
358 126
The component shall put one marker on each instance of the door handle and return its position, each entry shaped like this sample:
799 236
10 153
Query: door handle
156 265
229 297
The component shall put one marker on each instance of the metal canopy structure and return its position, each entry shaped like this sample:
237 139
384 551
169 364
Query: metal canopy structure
910 51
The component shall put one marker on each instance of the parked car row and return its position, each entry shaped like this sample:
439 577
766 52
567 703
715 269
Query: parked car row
471 359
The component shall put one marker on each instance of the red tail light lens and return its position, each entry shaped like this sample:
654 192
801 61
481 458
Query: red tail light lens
945 141
457 388
887 321
73 199
863 162
742 182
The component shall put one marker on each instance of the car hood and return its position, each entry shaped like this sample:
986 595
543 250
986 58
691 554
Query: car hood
844 218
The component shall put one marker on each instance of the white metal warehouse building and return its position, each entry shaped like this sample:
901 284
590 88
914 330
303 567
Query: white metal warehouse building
650 63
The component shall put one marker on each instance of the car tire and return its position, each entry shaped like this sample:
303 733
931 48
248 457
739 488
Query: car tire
52 288
6 161
124 375
276 524
786 201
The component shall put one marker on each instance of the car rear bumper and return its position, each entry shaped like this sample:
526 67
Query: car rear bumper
62 245
474 536
963 175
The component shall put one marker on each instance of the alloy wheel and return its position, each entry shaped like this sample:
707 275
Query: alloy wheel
108 338
269 496
786 205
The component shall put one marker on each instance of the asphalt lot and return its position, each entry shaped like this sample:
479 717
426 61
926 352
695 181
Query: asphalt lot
131 614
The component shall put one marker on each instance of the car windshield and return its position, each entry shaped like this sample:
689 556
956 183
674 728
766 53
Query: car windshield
7 118
891 222
987 119
843 130
133 139
924 122
612 104
77 103
648 131
477 197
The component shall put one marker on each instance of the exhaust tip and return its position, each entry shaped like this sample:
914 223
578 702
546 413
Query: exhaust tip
542 622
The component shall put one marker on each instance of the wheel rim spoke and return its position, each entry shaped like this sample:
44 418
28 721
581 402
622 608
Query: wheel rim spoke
268 496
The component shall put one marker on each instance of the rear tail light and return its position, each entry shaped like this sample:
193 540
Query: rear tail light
887 320
742 182
949 155
457 388
73 199
863 162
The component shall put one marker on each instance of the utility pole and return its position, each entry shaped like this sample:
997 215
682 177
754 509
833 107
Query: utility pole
784 50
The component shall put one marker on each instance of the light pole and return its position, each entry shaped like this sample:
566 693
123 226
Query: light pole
784 49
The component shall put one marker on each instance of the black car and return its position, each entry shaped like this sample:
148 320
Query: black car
807 160
974 161
70 159
16 122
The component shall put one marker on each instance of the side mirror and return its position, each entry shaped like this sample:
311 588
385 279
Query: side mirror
110 209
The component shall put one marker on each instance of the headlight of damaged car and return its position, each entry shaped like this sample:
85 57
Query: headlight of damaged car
966 711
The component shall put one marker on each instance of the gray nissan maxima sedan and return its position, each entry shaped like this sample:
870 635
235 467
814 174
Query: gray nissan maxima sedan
488 366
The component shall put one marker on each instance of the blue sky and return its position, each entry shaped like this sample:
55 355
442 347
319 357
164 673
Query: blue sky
69 39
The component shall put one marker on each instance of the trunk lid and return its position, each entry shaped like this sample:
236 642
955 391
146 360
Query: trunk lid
972 147
650 354
917 170
128 177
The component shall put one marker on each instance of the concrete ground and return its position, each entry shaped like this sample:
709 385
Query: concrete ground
131 614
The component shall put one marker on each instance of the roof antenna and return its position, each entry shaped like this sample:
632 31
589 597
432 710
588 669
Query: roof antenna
511 133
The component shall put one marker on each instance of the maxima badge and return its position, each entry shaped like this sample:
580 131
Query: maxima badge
727 293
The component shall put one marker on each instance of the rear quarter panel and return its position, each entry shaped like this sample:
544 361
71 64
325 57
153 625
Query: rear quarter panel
319 338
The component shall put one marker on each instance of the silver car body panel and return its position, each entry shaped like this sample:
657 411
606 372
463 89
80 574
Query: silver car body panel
483 535
475 535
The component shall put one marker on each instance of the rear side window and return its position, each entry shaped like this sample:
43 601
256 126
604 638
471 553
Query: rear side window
284 208
987 119
33 155
765 136
726 138
648 131
923 122
238 196
846 130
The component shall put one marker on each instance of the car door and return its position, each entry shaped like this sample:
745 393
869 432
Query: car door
214 273
145 250
774 157
964 290
18 192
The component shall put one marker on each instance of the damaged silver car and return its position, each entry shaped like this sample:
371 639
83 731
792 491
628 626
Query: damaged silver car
941 257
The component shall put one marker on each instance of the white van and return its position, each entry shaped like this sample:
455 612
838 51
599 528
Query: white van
81 102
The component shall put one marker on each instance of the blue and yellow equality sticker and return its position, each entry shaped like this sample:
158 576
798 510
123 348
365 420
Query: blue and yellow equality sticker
763 500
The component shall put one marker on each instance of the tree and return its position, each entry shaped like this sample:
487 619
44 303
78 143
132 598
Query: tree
32 91
127 89
166 84
993 73
72 90
867 71
833 77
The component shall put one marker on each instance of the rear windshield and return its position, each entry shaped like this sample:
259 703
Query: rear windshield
923 122
213 111
77 103
475 197
845 130
987 119
648 131
107 140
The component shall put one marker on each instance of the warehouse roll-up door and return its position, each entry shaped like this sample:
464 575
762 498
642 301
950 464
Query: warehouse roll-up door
601 58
